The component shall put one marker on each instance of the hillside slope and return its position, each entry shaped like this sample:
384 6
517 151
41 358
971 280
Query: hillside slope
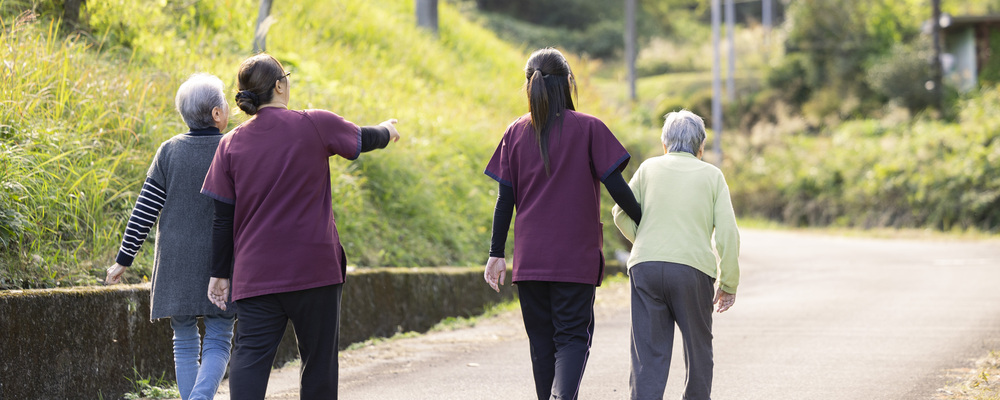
83 114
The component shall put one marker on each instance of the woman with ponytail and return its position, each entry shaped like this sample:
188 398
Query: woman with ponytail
550 164
276 247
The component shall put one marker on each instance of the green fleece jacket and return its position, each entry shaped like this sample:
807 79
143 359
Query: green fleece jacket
683 201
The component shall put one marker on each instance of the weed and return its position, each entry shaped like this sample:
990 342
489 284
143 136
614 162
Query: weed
151 388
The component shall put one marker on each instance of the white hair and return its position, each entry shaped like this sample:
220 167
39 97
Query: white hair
683 131
196 98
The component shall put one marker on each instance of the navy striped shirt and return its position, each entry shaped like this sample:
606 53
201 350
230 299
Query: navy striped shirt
147 209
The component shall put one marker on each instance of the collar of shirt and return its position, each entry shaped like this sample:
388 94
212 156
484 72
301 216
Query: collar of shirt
205 132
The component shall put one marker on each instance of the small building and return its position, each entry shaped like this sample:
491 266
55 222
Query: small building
967 49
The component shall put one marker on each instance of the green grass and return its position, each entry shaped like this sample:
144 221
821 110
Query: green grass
453 323
152 388
83 113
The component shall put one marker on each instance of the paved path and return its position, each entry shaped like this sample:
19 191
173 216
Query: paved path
817 317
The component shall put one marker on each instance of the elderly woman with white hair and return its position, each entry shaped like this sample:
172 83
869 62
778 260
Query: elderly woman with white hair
672 266
183 246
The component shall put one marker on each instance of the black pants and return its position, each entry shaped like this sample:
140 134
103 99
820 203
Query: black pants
559 320
315 314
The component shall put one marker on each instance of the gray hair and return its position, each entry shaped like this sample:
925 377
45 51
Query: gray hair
683 131
196 98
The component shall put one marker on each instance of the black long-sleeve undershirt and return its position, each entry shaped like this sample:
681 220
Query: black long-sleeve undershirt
502 214
374 137
615 183
222 240
623 196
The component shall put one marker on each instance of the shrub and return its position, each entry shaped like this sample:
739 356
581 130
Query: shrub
902 74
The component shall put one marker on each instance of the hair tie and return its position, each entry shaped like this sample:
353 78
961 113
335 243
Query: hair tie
246 94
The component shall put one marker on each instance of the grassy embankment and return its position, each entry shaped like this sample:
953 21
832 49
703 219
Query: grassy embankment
890 169
84 112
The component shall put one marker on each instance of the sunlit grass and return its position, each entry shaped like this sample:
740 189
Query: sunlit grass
83 113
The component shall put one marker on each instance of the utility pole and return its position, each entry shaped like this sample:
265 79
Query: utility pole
730 38
427 15
937 78
766 20
630 47
716 83
264 22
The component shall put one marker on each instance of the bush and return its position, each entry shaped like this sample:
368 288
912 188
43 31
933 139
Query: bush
902 74
880 173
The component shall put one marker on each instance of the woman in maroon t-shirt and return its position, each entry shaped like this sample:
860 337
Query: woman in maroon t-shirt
275 239
550 164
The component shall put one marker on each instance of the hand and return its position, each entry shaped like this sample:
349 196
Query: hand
115 273
496 271
724 300
218 292
391 126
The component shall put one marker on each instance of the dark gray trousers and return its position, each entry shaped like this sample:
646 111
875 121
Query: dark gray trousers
664 294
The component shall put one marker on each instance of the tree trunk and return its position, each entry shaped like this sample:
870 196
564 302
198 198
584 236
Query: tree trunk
263 23
716 83
630 47
71 13
936 89
427 15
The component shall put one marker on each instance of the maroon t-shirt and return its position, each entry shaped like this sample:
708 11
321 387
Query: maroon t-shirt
275 169
557 228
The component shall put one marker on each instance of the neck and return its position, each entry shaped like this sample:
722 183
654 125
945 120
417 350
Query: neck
275 104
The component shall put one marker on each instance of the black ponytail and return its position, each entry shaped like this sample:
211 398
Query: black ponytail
549 80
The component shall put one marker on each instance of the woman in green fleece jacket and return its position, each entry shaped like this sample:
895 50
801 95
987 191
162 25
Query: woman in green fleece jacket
672 266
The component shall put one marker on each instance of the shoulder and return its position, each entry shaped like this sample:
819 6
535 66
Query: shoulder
169 145
326 118
521 122
712 172
173 141
584 118
587 123
518 126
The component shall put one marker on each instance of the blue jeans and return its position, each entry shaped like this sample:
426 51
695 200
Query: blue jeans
200 379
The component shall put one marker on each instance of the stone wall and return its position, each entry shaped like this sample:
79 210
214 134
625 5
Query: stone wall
87 343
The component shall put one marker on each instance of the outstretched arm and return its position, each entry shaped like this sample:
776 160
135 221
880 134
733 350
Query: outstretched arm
378 136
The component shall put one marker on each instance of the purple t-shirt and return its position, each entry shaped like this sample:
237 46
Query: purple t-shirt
557 228
275 169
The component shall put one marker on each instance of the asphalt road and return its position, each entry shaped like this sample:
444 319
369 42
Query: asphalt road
816 317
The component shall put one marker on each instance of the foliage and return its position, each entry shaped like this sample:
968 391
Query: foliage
873 173
151 388
601 40
901 75
990 72
830 46
84 112
588 27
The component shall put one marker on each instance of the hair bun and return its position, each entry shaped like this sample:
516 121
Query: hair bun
248 101
248 95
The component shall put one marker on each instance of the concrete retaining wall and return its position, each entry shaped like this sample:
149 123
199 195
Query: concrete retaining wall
86 343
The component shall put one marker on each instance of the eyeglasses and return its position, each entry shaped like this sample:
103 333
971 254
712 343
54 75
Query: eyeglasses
283 76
